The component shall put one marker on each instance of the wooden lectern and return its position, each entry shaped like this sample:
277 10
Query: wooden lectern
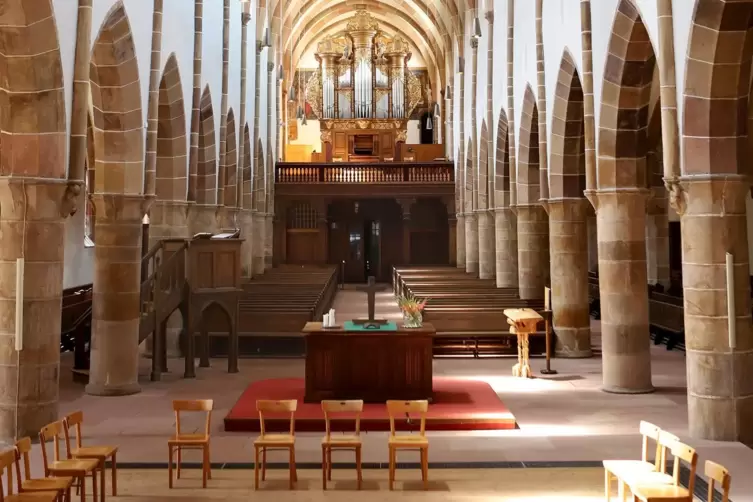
522 323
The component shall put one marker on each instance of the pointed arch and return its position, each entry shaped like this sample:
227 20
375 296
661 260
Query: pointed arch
206 175
528 187
626 92
502 164
470 179
246 168
567 178
172 154
231 163
483 167
259 178
32 122
116 107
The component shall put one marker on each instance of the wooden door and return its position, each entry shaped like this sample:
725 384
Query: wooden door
355 264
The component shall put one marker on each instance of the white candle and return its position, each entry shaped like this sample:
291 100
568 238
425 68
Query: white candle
19 304
731 318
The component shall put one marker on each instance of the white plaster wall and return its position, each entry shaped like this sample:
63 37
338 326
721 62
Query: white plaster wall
524 61
499 85
309 134
414 133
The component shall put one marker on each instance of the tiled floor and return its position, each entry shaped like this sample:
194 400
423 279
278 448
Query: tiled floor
499 485
561 417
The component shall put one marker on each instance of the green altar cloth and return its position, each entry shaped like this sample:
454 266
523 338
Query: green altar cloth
351 326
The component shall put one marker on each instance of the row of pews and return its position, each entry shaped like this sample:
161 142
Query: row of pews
466 311
273 309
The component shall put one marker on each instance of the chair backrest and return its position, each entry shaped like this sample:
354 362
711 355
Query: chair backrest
717 474
395 408
648 431
664 446
193 406
683 452
73 420
353 407
55 432
267 406
7 459
23 452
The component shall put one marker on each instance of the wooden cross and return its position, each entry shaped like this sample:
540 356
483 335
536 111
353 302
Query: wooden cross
371 289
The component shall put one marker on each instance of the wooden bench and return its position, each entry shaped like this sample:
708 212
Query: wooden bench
75 328
466 311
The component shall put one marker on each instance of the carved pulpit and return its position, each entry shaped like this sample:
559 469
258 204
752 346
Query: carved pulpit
214 277
522 323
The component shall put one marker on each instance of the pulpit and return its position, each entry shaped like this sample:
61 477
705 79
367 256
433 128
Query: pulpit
214 277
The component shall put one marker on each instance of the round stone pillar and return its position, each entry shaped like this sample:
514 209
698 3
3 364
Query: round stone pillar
506 247
720 388
32 228
486 260
268 239
533 251
258 245
247 247
471 243
116 298
657 239
460 241
621 229
569 276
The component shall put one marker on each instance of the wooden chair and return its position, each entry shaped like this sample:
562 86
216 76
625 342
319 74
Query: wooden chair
61 486
75 468
274 441
100 453
7 459
717 474
408 441
621 468
191 441
341 442
651 487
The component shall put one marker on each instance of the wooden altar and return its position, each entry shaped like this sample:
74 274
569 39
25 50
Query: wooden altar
373 366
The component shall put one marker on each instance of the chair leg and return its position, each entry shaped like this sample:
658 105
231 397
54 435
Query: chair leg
263 464
329 464
256 468
180 456
94 485
291 467
114 469
204 468
169 466
358 467
324 468
82 485
102 481
392 468
607 488
425 467
209 463
295 468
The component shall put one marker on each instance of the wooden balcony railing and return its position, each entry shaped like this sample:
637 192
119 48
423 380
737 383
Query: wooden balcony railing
357 173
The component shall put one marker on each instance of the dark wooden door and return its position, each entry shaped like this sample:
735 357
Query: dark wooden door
355 264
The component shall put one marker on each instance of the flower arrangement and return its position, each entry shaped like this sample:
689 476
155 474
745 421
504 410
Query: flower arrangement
412 309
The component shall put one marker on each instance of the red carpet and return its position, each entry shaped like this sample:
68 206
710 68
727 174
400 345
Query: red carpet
459 405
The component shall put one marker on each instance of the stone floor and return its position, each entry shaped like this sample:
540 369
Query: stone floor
499 485
564 417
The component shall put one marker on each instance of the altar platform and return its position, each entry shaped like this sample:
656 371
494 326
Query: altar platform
459 404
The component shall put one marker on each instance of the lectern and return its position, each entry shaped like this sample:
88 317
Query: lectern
522 323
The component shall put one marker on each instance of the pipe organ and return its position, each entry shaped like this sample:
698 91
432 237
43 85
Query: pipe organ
363 92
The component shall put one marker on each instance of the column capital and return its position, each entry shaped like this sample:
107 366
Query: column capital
245 18
474 44
259 47
53 198
489 15
121 207
676 194
270 67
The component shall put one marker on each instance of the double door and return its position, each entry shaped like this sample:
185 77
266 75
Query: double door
364 251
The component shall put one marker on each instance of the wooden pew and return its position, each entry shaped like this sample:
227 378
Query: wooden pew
467 311
75 328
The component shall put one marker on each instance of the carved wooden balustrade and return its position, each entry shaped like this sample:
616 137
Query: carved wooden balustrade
366 173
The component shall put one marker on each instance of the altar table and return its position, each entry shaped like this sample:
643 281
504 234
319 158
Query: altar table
373 366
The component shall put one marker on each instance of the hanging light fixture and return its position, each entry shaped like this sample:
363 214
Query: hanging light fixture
265 40
461 65
448 93
291 94
429 124
476 28
299 113
280 73
437 113
304 121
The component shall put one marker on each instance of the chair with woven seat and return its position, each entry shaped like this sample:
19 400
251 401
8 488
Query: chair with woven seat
621 468
274 441
653 486
408 441
27 484
7 461
191 441
717 474
99 452
332 442
76 468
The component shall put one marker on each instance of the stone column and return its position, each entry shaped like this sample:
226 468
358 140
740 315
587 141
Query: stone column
33 228
621 222
150 159
452 238
258 244
268 239
506 237
533 251
244 187
193 152
460 240
593 244
657 238
116 298
569 274
471 243
169 219
486 259
720 389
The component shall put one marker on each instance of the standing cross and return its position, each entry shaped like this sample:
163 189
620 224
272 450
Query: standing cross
371 289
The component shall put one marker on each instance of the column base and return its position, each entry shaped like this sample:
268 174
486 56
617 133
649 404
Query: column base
621 390
471 243
112 390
